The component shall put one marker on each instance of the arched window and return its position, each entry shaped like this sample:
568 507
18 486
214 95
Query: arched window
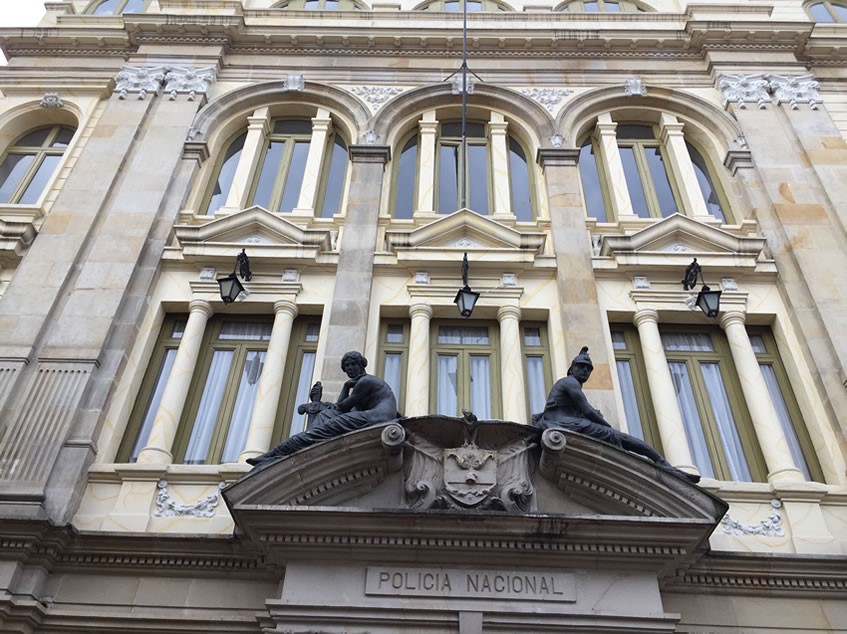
282 170
116 7
827 11
30 162
456 6
652 172
520 181
601 6
406 179
477 171
322 5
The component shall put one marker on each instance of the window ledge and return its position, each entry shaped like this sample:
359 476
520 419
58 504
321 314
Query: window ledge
194 474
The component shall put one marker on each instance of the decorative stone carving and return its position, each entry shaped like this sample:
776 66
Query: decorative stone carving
509 279
421 277
295 82
641 282
166 506
482 473
376 96
771 526
370 137
634 87
729 284
456 83
208 273
550 98
51 100
795 90
181 79
466 243
139 79
291 275
556 140
744 89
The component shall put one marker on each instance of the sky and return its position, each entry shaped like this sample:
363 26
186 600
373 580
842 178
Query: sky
19 13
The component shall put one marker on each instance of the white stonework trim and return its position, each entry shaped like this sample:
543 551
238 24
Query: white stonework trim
556 140
771 526
456 83
376 96
421 277
550 98
509 279
295 82
744 89
729 284
291 275
182 79
634 87
795 90
166 506
641 281
208 273
51 100
140 80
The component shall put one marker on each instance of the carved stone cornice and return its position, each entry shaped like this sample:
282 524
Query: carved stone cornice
556 157
370 153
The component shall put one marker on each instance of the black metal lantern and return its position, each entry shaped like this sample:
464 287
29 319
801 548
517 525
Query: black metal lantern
708 301
466 298
231 287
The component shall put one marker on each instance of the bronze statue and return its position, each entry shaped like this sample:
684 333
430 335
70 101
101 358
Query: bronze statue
364 400
568 408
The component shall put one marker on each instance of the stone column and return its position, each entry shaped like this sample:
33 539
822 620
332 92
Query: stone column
771 438
668 416
610 161
166 422
497 134
426 164
681 167
270 383
417 373
321 126
513 385
258 128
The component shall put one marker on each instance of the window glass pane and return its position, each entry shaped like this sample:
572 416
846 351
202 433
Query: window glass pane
661 184
39 180
535 388
630 403
591 188
481 386
11 172
294 180
312 332
590 6
758 343
452 128
633 182
255 331
293 126
452 6
618 341
448 178
239 423
63 139
474 5
710 196
612 7
687 341
519 181
691 419
227 173
466 335
820 14
330 5
785 419
304 386
311 5
446 394
335 179
631 131
532 336
178 329
727 429
840 12
36 138
405 198
394 333
210 405
267 177
107 8
392 373
153 404
478 178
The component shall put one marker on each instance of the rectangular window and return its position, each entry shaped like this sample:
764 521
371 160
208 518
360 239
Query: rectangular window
635 392
394 355
299 373
536 366
465 369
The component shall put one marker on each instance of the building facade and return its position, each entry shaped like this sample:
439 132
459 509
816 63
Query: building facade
144 144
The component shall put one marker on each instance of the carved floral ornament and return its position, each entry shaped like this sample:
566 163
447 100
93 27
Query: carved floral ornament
172 79
376 96
550 98
166 506
758 88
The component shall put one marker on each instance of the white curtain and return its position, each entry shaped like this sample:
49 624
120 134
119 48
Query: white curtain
392 373
210 405
535 388
630 404
246 330
239 423
691 419
447 397
687 341
153 405
304 386
465 335
785 419
481 386
727 429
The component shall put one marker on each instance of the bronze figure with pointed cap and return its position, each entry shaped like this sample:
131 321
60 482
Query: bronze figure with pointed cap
568 408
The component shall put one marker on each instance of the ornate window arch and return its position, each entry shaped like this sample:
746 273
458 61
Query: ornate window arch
456 6
602 6
29 163
827 11
116 7
322 5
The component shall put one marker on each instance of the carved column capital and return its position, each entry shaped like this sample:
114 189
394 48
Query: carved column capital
645 316
732 317
201 306
508 312
744 89
286 306
420 310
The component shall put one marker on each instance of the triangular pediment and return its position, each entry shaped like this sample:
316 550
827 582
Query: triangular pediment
678 234
465 229
265 233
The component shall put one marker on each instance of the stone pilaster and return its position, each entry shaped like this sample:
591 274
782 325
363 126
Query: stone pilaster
418 372
610 163
513 384
681 167
321 127
258 127
426 164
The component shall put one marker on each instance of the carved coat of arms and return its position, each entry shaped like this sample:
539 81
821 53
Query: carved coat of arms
471 469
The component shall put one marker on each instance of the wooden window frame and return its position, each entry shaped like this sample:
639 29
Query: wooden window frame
404 142
39 153
639 146
401 348
543 351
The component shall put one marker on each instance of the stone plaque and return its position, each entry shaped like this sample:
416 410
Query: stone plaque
524 585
